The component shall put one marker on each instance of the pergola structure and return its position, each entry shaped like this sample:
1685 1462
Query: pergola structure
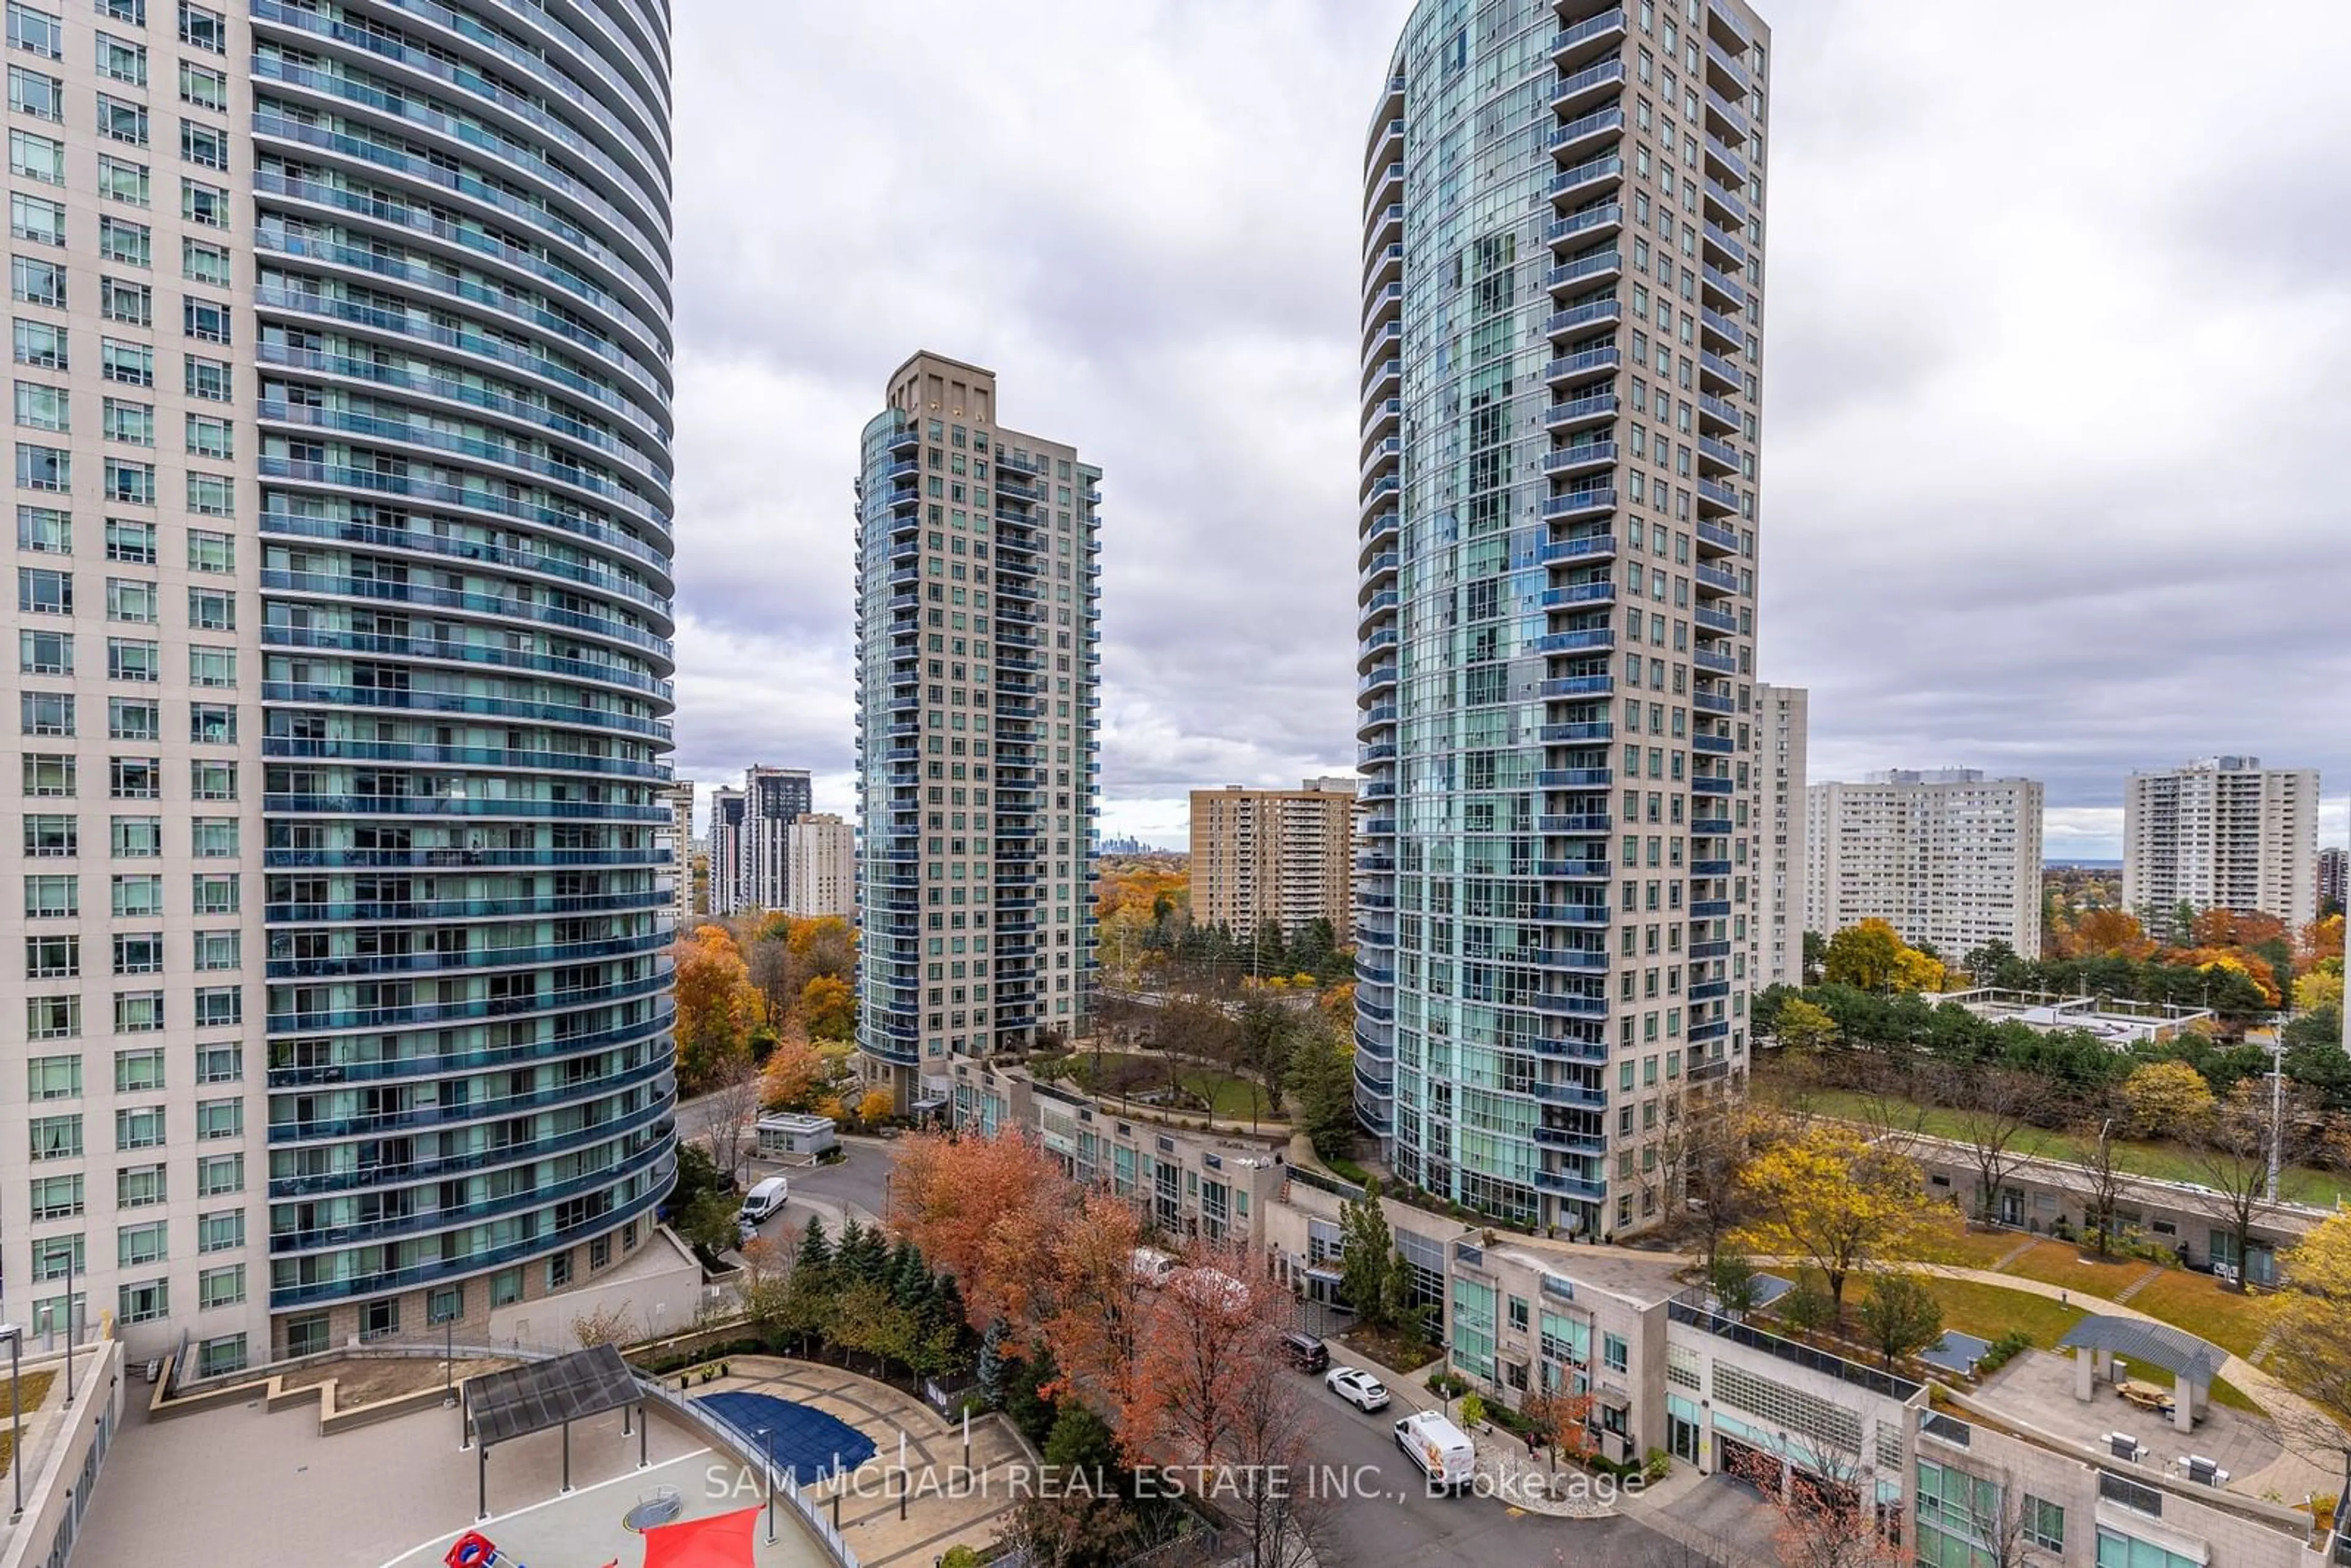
502 1406
2192 1363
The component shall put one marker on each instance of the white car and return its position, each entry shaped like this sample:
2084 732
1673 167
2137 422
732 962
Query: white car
1358 1388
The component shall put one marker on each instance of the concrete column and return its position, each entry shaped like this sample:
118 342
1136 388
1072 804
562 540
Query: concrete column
2183 1403
2084 1374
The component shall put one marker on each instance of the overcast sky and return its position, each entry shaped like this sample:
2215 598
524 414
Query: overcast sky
2058 350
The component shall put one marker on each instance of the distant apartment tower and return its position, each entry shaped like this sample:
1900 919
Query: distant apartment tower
1949 857
680 799
2222 832
727 807
773 800
1280 855
976 665
824 854
2333 865
1781 717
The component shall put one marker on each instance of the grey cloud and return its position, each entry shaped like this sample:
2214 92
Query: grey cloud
2053 358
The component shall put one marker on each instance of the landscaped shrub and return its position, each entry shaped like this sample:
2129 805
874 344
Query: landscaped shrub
2003 1350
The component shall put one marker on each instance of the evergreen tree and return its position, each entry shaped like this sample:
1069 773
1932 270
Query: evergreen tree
993 1369
1366 1277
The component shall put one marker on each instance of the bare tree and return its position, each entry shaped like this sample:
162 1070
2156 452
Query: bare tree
1828 1514
1994 1108
2231 1148
613 1324
2103 1177
734 1106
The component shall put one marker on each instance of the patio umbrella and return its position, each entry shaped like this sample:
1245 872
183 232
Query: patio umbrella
721 1541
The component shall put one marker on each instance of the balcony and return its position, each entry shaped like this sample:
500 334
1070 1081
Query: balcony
1721 453
1585 223
1709 868
1574 779
1572 1186
1594 641
1588 40
1384 267
1566 686
1723 163
1381 418
1387 144
1386 185
1579 184
1725 118
1571 1050
1721 246
1717 374
1383 453
1377 304
1378 716
1385 228
1711 827
1715 492
1579 90
1581 458
1724 205
1583 547
1712 784
1584 960
1721 25
1720 578
1583 503
1379 531
1584 271
1579 596
1726 333
1381 378
1587 133
1583 824
1720 663
1561 323
1569 1006
1717 414
1382 679
1376 642
1713 746
1710 908
1580 370
1597 409
1723 72
1596 733
1381 567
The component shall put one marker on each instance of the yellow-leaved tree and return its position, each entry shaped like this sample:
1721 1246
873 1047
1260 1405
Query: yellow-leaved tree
2166 1099
1831 1200
2310 1325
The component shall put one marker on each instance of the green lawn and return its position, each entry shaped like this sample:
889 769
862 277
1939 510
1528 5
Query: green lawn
2205 1307
2162 1161
1236 1099
2066 1266
35 1390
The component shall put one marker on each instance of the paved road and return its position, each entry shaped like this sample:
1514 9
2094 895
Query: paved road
1400 1523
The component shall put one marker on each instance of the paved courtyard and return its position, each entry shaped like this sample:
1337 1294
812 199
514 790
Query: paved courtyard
231 1487
2037 1389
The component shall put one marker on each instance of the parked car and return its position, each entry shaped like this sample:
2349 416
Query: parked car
1152 1266
1305 1351
1358 1388
1440 1448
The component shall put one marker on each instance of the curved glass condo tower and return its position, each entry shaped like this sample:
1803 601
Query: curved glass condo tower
352 518
1556 909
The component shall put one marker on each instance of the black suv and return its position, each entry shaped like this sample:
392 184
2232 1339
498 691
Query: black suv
1305 1351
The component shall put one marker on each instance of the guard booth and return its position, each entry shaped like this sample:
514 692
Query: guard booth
789 1136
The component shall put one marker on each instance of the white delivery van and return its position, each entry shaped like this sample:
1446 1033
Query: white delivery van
763 1200
1213 1288
1439 1448
1153 1267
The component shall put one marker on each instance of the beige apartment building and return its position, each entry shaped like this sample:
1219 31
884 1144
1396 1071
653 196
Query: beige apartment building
680 845
1782 718
1280 855
1949 857
824 854
977 658
2222 832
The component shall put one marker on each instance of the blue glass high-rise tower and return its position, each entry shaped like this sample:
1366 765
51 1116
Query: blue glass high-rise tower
1557 890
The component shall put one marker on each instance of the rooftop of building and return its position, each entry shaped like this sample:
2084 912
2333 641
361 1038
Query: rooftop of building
2117 1020
1645 1279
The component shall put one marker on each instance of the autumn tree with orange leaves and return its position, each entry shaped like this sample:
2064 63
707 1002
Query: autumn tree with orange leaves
985 1209
2106 933
716 1006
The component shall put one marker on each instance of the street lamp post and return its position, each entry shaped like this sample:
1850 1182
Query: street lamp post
15 1412
767 1463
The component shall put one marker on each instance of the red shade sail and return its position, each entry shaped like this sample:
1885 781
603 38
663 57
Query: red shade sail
721 1541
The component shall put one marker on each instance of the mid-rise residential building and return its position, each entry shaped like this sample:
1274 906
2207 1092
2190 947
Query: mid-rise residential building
824 853
680 845
343 613
1559 910
2220 832
1781 722
1950 858
773 800
728 811
1281 855
977 670
2332 864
